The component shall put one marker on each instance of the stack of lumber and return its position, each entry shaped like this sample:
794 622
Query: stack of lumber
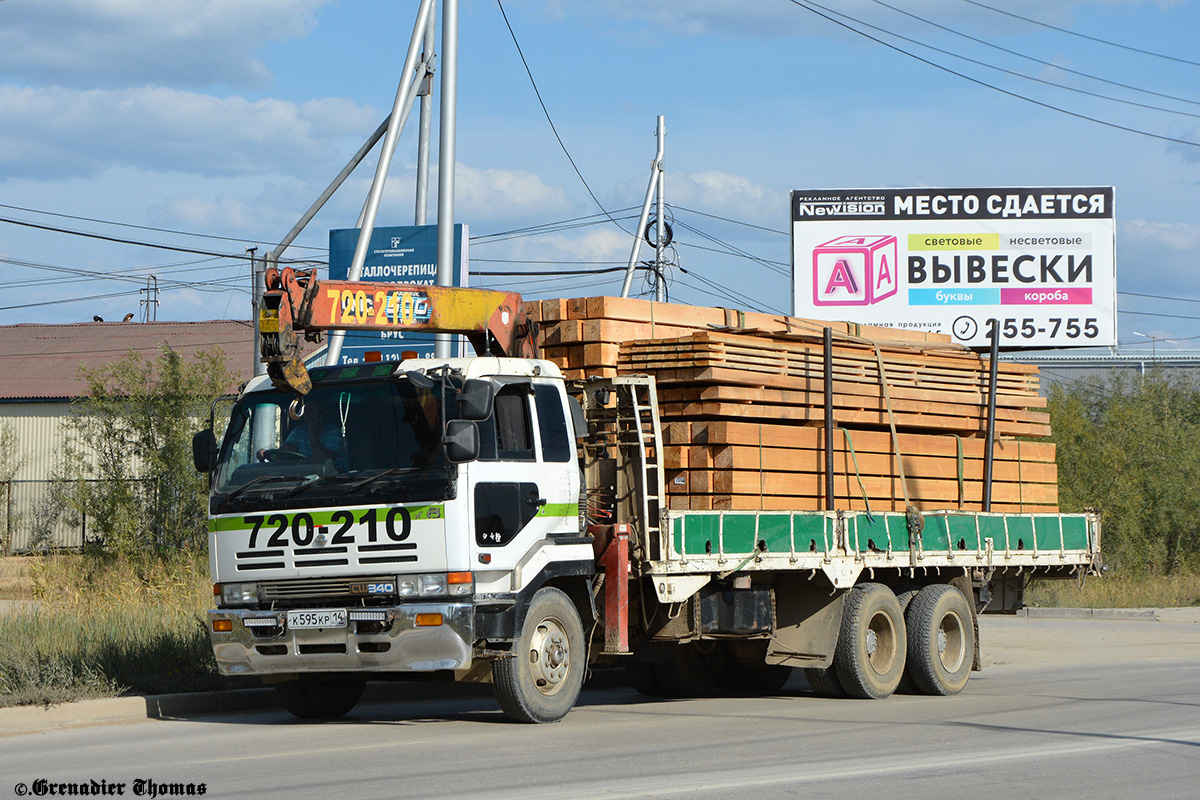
742 397
583 334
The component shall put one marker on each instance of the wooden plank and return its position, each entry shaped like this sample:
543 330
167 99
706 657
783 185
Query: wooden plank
777 459
767 503
554 309
800 397
722 432
811 415
943 493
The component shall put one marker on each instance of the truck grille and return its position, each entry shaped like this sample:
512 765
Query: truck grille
328 589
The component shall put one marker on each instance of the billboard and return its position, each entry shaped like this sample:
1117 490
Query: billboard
1038 264
398 254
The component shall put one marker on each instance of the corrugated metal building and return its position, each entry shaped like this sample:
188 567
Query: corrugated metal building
40 379
1079 366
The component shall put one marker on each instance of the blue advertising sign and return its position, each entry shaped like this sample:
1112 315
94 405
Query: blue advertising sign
400 254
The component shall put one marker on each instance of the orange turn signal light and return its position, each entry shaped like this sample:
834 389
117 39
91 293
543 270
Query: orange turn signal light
458 577
428 620
372 356
222 626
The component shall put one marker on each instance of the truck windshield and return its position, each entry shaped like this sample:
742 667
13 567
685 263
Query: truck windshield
367 442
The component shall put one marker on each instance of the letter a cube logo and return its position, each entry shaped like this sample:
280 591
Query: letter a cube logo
854 270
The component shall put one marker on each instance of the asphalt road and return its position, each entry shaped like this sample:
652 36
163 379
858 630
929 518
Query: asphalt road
1064 709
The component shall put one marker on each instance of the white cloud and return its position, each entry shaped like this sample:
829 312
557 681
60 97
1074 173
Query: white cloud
1158 257
57 133
497 194
114 43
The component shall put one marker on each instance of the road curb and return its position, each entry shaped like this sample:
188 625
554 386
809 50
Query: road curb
1142 614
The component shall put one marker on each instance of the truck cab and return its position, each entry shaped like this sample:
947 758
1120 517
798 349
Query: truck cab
402 518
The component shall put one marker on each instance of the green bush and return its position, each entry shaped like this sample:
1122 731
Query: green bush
1131 450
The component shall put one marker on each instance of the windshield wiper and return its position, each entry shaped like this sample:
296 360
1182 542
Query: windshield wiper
377 476
260 479
311 482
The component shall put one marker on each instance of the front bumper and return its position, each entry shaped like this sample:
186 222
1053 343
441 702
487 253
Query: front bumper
405 646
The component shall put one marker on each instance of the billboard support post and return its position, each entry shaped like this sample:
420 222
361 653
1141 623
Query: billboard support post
988 456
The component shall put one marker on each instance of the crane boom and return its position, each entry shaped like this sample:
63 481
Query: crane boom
297 302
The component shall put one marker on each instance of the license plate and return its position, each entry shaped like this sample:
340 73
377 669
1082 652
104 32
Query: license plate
320 618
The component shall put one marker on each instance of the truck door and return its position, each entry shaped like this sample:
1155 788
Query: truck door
525 485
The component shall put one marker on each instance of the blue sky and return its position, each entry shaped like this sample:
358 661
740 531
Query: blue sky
226 118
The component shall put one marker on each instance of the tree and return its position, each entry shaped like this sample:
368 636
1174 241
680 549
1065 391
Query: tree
1132 451
129 457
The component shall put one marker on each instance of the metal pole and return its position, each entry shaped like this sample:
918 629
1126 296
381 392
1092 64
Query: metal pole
354 161
256 293
446 157
660 289
829 419
991 419
425 125
655 167
412 97
334 348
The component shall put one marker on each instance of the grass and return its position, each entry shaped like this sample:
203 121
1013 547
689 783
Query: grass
1115 591
103 627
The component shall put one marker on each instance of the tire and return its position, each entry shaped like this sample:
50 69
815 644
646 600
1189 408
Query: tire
643 678
767 679
824 681
687 673
941 640
907 686
321 695
542 681
871 643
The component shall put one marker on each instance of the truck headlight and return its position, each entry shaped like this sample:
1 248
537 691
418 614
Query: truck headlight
433 585
239 594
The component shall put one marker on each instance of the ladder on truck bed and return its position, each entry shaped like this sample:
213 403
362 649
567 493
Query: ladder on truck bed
624 455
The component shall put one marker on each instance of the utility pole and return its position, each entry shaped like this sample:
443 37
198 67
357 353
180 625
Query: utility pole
256 294
150 304
657 186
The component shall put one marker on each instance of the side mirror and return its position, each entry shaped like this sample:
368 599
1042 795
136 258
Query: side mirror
461 441
204 450
476 399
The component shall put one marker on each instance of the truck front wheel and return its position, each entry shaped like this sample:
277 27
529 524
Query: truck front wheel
541 682
321 695
941 640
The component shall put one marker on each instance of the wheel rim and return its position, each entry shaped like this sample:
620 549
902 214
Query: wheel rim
549 656
881 643
951 642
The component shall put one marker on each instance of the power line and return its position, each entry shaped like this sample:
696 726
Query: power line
811 7
727 219
1070 32
1014 73
546 111
1038 61
136 227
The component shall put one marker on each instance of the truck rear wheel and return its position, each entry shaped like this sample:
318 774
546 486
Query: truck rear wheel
321 695
824 681
541 682
941 640
643 678
689 672
871 644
